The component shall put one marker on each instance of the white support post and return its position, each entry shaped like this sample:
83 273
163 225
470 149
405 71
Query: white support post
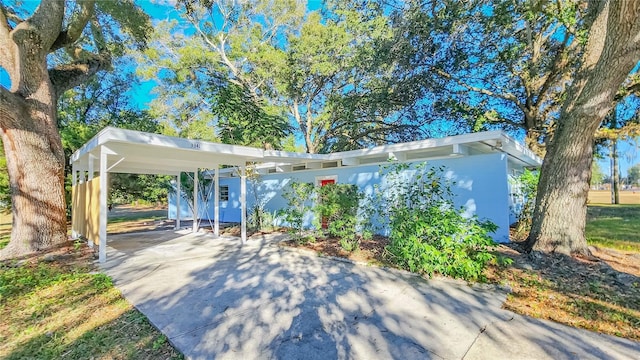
102 251
216 201
195 201
243 203
178 196
74 183
82 179
90 173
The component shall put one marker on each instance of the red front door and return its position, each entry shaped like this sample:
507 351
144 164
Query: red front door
327 182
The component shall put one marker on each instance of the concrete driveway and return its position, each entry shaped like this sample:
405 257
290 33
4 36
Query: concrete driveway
214 298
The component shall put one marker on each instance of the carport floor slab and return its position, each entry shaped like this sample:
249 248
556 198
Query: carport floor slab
215 298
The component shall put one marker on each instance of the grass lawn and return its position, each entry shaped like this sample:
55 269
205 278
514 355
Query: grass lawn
600 294
55 305
614 226
127 218
597 197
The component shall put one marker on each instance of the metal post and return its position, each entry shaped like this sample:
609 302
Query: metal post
178 196
195 201
102 251
216 201
243 202
88 199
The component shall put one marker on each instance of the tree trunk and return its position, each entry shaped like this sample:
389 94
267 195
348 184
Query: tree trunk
29 130
36 176
612 51
35 164
561 206
615 173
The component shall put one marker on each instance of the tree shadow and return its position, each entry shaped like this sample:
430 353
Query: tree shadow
260 300
584 293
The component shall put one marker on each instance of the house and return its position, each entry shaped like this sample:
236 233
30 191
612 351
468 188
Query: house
481 164
482 167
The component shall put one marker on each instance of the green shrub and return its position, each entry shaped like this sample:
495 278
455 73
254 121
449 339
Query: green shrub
260 219
427 233
526 185
299 198
338 205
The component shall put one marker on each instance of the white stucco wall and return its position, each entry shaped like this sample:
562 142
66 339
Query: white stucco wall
481 187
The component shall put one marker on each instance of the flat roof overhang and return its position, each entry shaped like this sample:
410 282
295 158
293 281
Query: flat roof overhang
144 153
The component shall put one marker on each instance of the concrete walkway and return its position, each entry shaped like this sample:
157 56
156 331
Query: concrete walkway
214 298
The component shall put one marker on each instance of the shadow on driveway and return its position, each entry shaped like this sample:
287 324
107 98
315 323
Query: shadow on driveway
215 298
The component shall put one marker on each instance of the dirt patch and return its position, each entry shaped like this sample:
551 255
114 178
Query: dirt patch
370 251
600 293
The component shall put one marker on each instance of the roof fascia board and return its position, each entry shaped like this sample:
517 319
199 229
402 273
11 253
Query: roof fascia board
89 145
418 145
520 151
110 134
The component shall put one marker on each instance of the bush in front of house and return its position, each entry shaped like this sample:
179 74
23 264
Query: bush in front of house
337 207
427 233
300 198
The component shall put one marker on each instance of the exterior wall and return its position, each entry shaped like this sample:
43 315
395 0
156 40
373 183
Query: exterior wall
481 187
229 210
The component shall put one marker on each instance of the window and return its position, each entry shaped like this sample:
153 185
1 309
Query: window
224 192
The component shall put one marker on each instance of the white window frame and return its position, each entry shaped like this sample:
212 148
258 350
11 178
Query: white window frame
224 192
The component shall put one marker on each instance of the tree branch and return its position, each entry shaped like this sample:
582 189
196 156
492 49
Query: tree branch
67 76
77 25
508 97
10 15
47 21
4 24
5 39
557 67
632 88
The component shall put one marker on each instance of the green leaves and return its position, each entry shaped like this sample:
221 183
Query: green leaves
243 121
337 208
299 197
427 233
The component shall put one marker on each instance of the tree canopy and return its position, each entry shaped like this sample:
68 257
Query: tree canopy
349 75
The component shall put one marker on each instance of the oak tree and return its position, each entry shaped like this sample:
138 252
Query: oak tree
611 52
46 51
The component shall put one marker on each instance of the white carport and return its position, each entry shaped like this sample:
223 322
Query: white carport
126 151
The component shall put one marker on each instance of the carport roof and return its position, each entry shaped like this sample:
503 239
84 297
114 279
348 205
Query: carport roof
138 152
145 153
